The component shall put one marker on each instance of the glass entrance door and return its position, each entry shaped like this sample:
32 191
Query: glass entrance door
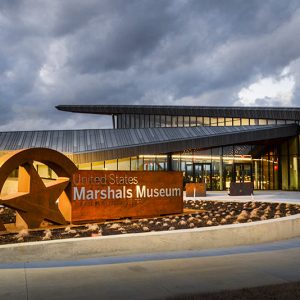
227 175
202 174
189 173
243 172
198 172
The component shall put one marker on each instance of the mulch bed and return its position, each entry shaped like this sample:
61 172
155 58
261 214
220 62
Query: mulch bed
197 214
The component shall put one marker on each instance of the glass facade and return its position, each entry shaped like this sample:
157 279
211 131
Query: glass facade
268 166
146 121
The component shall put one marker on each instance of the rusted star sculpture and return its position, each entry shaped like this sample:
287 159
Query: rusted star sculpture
35 200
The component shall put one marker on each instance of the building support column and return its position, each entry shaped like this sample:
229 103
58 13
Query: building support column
113 121
221 173
169 162
256 179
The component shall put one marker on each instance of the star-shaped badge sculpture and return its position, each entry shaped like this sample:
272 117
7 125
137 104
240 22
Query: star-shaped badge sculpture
35 200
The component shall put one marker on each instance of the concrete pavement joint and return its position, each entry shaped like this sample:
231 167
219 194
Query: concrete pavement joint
26 282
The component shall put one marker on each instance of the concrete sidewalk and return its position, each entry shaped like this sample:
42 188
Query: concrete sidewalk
154 276
259 196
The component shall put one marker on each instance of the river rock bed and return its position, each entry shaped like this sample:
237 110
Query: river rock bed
197 214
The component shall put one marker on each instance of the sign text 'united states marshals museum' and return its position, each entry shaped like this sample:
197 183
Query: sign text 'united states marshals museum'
212 145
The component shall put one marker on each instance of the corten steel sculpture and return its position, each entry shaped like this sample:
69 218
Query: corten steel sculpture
35 201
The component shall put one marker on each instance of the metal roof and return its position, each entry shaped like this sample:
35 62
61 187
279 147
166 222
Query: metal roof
274 113
103 144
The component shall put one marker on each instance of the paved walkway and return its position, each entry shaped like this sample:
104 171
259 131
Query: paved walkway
153 276
266 196
160 275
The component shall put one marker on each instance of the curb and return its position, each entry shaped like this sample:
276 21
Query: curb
178 240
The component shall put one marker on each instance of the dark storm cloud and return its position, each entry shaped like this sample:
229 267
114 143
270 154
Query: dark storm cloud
122 39
137 51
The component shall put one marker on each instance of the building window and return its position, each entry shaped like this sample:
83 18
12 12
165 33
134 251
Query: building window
157 120
245 122
168 121
228 122
136 163
151 122
186 121
132 121
98 165
262 122
111 164
214 122
236 122
142 121
193 121
221 121
206 121
163 121
147 121
280 122
124 164
199 121
180 121
123 121
174 121
127 121
137 121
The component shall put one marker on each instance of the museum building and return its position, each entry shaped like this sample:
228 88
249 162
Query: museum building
215 145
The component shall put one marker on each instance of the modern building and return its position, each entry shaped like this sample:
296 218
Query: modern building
215 145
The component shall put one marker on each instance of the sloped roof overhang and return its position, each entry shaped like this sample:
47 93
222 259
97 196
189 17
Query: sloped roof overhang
274 113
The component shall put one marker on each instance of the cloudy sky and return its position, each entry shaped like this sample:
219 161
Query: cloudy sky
176 52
